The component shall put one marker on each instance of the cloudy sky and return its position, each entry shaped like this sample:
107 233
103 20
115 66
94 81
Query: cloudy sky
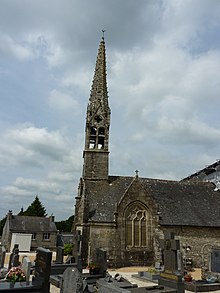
163 62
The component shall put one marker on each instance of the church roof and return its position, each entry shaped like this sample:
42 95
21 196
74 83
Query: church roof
185 203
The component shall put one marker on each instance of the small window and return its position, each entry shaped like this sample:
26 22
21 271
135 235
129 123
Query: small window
101 131
33 237
46 236
93 130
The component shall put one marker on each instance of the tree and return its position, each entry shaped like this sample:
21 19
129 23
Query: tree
2 224
65 226
36 209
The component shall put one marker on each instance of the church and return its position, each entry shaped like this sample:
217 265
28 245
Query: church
128 215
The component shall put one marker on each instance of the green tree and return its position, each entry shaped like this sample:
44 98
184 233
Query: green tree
2 224
35 209
66 225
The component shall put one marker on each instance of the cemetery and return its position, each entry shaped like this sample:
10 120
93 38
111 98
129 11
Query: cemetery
21 274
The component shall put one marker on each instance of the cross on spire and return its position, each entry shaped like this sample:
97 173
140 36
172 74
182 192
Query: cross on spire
103 34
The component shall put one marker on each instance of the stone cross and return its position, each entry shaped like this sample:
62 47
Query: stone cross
12 256
78 239
170 246
171 277
59 254
15 259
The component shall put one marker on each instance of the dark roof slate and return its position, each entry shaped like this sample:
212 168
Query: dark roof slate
205 171
31 224
185 203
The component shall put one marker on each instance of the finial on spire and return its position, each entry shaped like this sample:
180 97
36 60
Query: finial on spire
103 34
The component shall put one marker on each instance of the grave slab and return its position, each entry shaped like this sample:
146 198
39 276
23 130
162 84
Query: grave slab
201 286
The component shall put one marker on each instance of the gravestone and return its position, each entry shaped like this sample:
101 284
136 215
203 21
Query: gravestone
15 258
101 259
2 256
59 255
215 260
71 281
180 266
171 277
10 264
42 269
26 267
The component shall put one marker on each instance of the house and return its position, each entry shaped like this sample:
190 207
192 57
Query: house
42 229
210 173
128 215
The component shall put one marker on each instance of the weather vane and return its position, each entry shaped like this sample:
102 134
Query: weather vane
103 34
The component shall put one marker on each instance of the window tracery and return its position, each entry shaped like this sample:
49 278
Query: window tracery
137 221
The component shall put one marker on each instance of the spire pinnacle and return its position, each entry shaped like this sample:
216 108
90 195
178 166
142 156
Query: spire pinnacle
99 92
103 34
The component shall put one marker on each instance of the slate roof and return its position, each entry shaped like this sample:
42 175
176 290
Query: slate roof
206 171
185 203
31 224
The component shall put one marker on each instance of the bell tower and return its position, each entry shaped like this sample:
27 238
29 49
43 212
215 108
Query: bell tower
96 151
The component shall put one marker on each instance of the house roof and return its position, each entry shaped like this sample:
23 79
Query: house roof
185 203
199 175
31 224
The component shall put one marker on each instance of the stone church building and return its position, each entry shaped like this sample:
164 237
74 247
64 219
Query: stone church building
128 215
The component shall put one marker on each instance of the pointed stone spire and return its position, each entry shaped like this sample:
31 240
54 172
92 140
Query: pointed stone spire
99 92
97 122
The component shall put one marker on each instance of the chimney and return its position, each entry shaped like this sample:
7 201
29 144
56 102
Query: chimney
52 218
10 214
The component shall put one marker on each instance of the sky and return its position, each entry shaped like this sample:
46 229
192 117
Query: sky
163 61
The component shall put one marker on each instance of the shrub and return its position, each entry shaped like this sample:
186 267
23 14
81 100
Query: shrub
68 249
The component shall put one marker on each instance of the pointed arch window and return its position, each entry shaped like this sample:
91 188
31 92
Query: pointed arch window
138 228
101 138
92 137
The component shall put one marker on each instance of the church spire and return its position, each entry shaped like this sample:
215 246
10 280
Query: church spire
99 92
97 122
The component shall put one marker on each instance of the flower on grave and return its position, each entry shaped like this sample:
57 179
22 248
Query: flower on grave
15 274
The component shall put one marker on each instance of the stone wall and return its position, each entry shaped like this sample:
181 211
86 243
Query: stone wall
102 236
200 240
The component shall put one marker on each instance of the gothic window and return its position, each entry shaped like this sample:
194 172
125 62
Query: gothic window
101 138
92 138
137 226
96 138
101 131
